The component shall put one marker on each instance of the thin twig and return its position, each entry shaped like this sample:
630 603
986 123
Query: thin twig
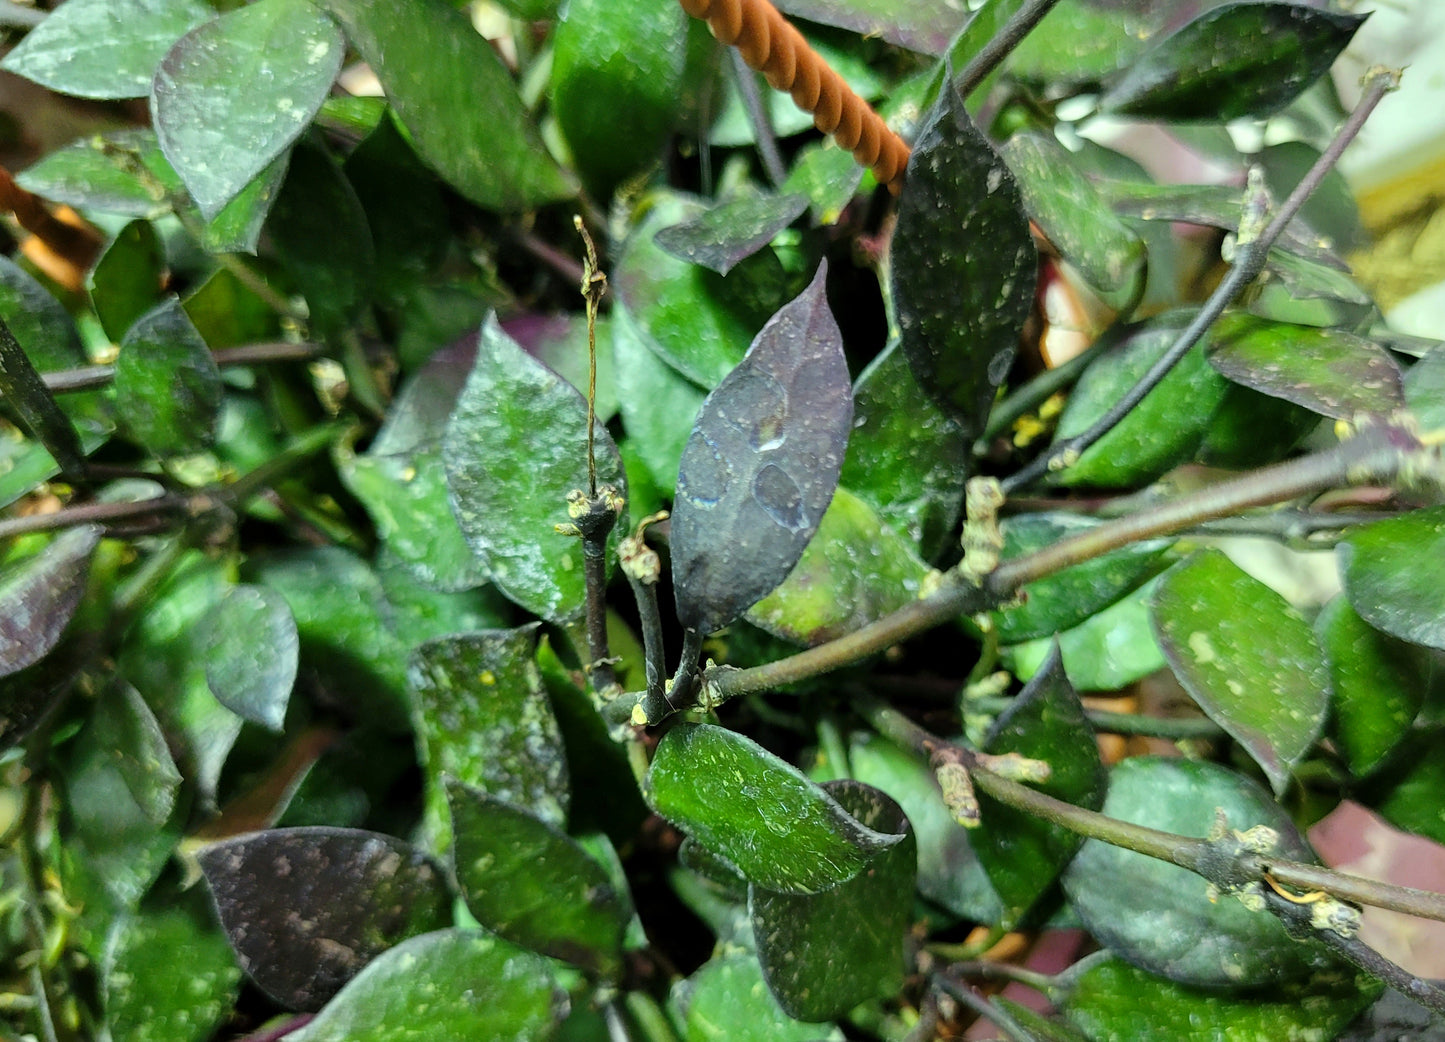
1173 728
763 134
1000 1017
88 513
1001 46
594 285
89 377
1251 255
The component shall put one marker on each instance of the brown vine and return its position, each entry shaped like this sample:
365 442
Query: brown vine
770 44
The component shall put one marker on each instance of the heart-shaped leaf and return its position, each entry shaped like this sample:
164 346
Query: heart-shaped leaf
1247 657
1385 580
963 264
251 654
307 908
782 831
761 465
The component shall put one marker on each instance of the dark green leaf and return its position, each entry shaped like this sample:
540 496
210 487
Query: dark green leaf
823 954
1163 918
529 882
1108 998
1250 429
919 25
1107 651
1247 657
420 611
560 343
483 718
34 404
725 234
713 867
1081 41
1330 214
167 386
515 446
1072 596
451 91
82 175
104 48
727 999
38 596
1045 1029
1425 390
307 908
963 264
1240 59
658 403
148 998
237 228
219 138
228 314
27 697
1410 800
1163 430
1376 693
251 654
1329 371
1392 576
948 871
1022 854
854 571
1076 218
761 465
761 813
126 281
905 456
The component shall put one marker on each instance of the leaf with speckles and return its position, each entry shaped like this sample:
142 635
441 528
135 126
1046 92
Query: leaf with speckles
104 48
727 1000
1247 657
823 954
722 236
761 464
854 571
963 264
1329 371
167 386
781 830
1076 218
1163 918
529 882
1394 575
251 651
1240 59
515 446
219 138
457 100
39 595
1021 853
483 718
307 908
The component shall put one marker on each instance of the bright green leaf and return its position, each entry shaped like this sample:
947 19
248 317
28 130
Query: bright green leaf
251 654
1107 651
727 999
126 280
658 404
1393 578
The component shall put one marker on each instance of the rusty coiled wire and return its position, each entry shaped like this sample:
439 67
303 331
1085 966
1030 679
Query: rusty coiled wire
770 44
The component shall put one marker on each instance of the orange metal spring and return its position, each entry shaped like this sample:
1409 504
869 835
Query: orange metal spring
770 44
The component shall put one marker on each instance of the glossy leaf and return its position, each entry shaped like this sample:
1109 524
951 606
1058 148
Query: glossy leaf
828 175
823 954
1163 918
1386 581
82 175
452 93
251 654
658 404
38 597
905 456
1247 657
1076 218
126 281
963 264
1022 854
1074 595
693 318
949 873
783 832
1239 59
730 231
1329 371
560 343
219 138
104 48
515 446
761 464
1108 998
1163 430
854 571
919 25
168 388
1410 798
50 339
237 228
530 883
1107 651
1376 693
483 718
1250 429
305 909
727 999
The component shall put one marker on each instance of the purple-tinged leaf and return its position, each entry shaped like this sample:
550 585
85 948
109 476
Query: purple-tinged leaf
39 595
761 465
729 232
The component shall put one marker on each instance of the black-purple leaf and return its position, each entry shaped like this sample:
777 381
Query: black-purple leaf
307 908
39 595
963 264
761 464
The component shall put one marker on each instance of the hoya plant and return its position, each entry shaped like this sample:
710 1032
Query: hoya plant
509 532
